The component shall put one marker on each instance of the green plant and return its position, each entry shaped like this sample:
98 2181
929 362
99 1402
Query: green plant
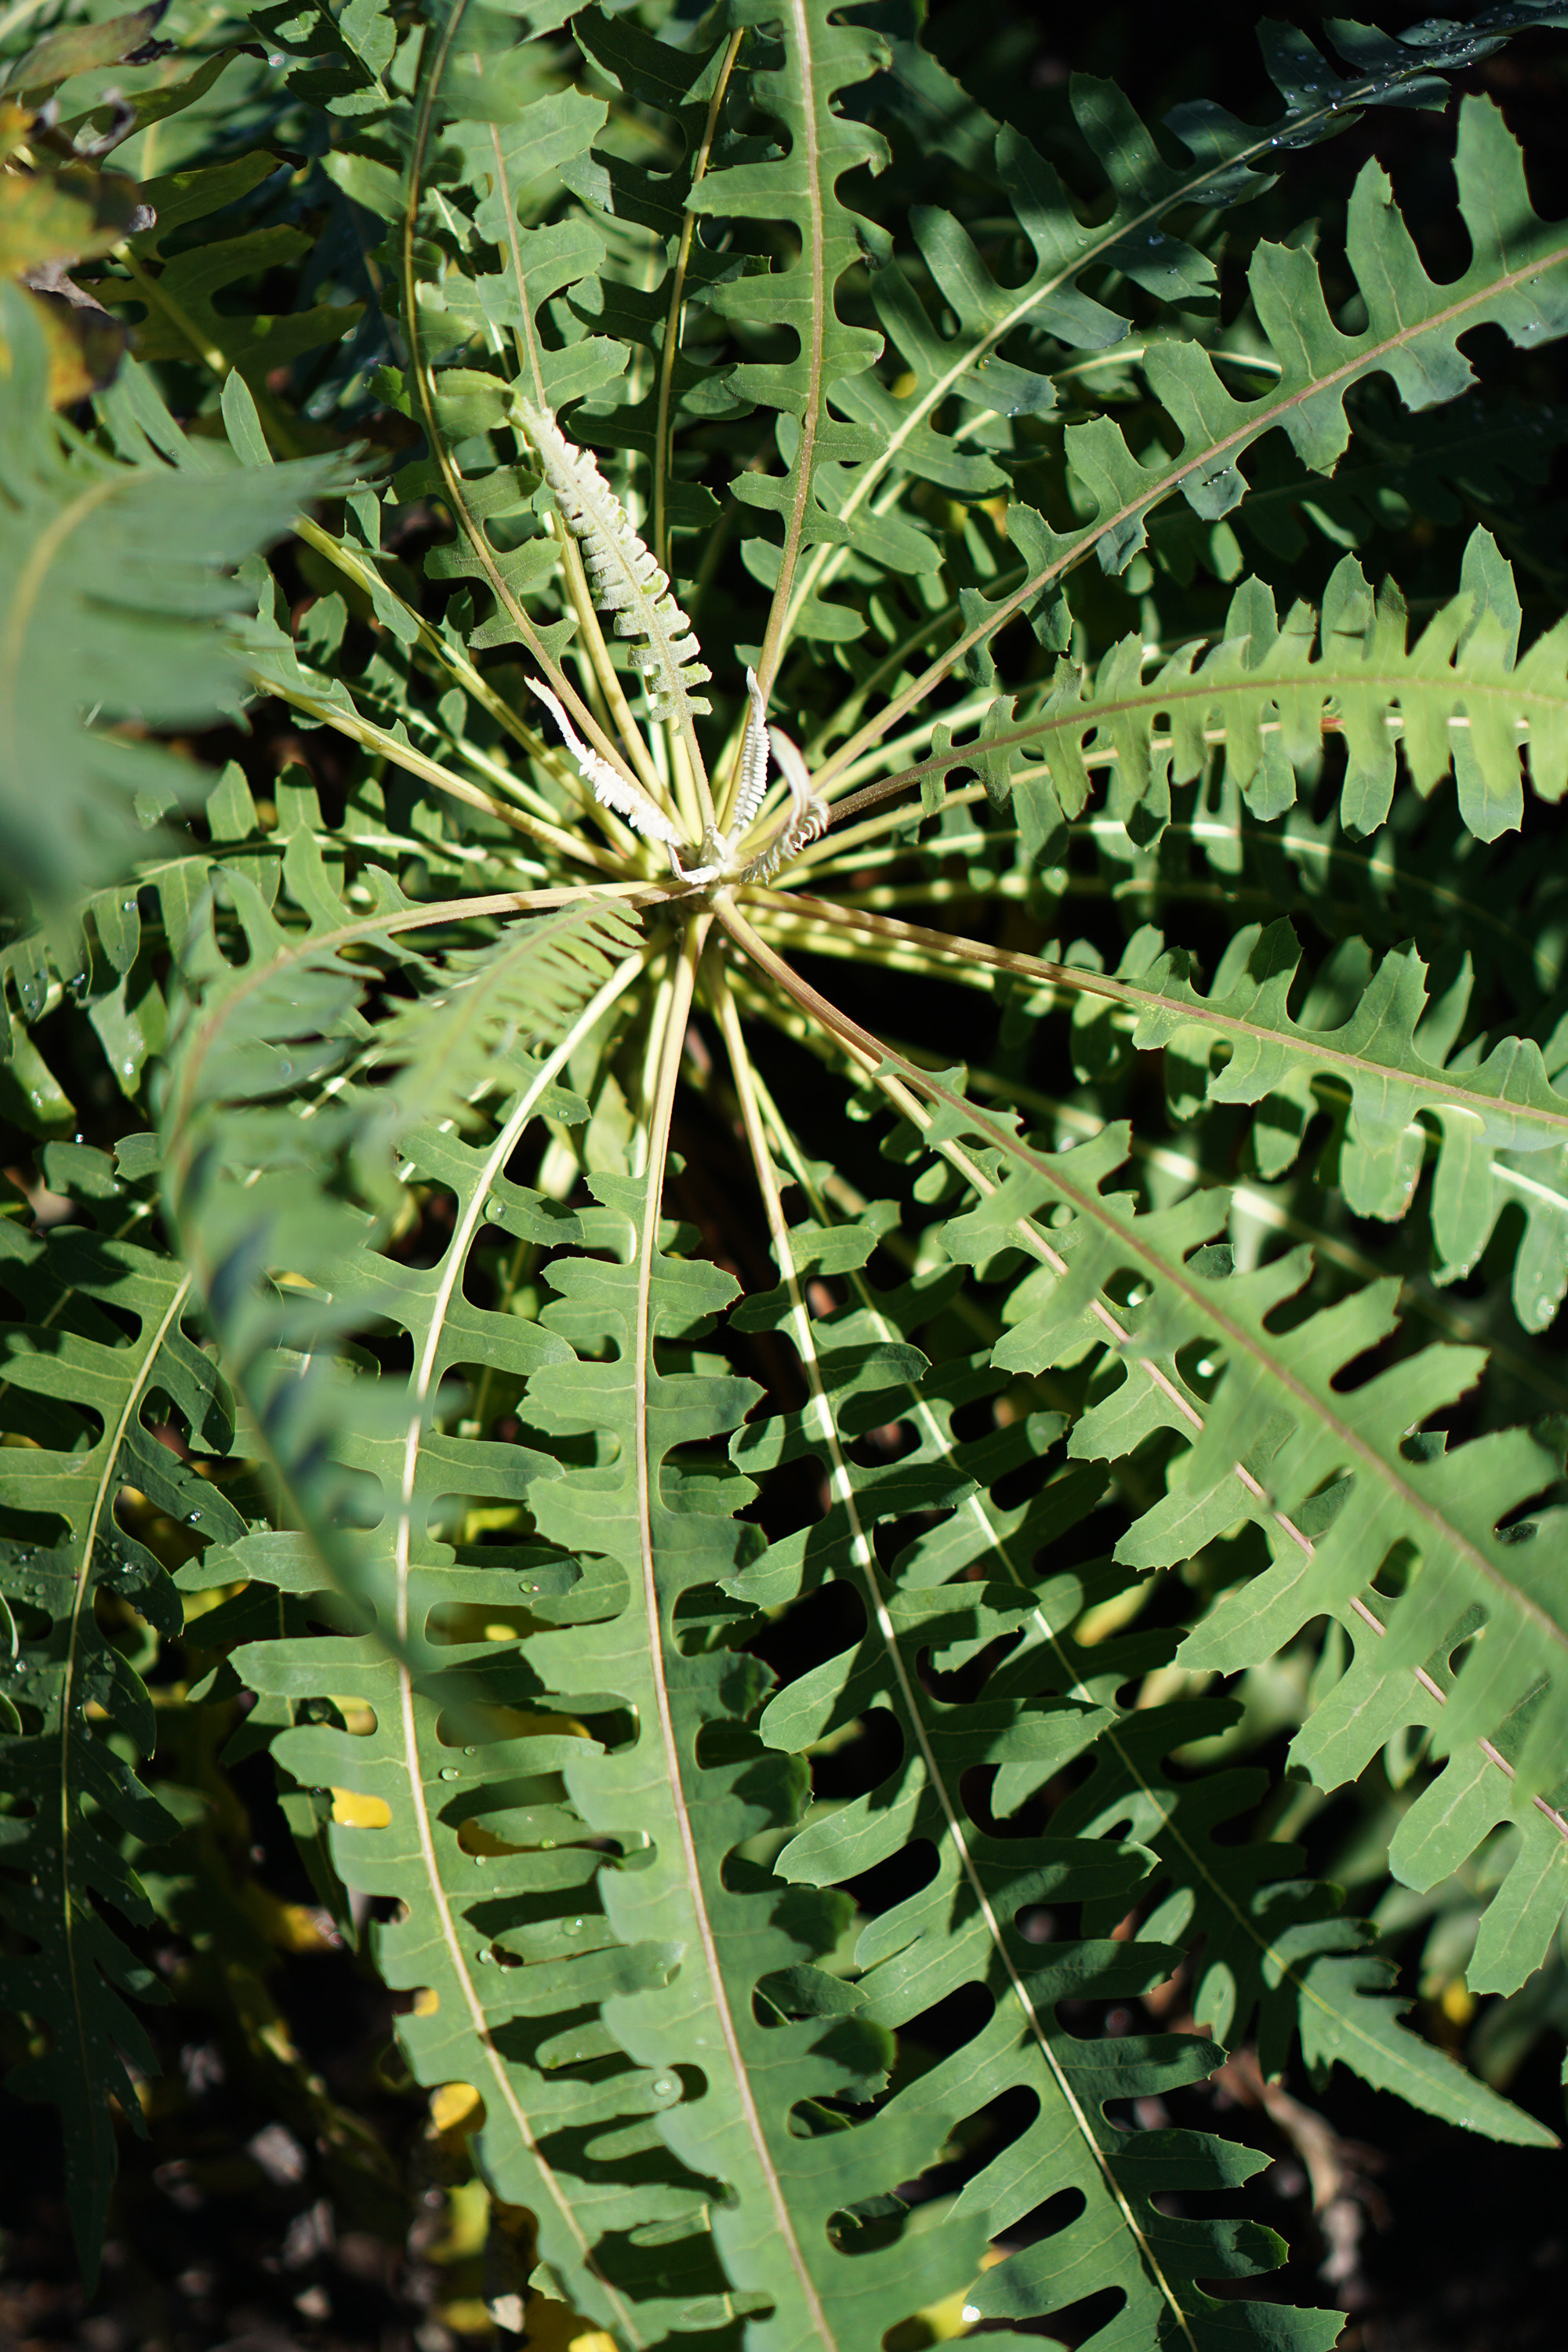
1015 1399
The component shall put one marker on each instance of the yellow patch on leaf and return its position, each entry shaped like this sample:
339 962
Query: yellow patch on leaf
359 1812
456 2106
554 2327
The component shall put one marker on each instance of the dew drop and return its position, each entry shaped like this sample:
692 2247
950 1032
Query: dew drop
571 1926
193 1518
664 2086
470 1751
486 1955
285 1067
450 1772
548 1844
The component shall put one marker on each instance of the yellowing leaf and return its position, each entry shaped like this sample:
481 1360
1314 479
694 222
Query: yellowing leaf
468 2224
82 48
63 216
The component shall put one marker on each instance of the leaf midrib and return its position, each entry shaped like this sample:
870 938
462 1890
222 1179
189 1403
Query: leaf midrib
674 1046
1192 1012
93 2090
842 1489
821 298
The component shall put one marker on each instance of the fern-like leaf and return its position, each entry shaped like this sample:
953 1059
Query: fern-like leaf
1278 1443
1458 700
1278 1951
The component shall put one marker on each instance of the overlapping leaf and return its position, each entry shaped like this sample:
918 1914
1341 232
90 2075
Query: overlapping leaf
1336 1486
1517 278
1048 316
98 1355
1368 1044
1274 1944
964 1927
114 584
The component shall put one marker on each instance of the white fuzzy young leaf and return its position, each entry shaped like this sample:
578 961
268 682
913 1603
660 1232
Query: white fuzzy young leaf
625 577
609 787
753 760
807 817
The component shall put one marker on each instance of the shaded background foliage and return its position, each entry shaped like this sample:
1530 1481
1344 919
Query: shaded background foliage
292 2186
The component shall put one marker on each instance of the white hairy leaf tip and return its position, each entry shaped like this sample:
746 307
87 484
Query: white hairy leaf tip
624 575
